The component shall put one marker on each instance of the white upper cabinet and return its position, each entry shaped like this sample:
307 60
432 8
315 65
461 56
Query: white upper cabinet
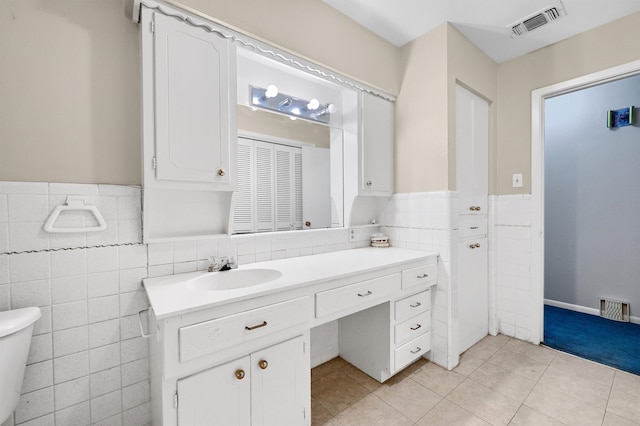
472 151
193 108
189 148
376 146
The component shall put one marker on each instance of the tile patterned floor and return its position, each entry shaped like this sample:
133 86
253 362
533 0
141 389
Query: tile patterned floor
500 381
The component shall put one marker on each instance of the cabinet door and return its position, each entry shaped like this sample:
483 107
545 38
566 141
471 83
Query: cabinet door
473 292
280 384
376 146
218 396
192 97
288 188
472 146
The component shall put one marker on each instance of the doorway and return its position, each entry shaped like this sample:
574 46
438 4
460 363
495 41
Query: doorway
539 97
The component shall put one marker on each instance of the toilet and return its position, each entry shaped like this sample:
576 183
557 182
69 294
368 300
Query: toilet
16 327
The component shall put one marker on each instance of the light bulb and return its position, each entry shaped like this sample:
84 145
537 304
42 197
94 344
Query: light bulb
313 104
292 118
271 92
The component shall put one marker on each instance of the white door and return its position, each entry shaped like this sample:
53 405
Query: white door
316 187
473 292
472 151
192 103
280 383
218 396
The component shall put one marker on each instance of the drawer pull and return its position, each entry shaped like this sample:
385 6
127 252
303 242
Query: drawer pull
416 327
422 276
239 374
264 324
418 349
416 305
368 293
474 227
263 364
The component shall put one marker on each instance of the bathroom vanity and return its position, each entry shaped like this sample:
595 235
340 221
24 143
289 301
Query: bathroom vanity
233 347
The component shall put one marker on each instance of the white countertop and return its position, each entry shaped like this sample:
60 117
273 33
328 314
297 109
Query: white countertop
170 295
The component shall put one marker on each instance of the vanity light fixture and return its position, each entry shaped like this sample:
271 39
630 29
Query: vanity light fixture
271 99
271 92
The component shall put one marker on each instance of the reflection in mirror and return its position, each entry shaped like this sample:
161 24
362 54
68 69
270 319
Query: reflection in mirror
290 148
289 174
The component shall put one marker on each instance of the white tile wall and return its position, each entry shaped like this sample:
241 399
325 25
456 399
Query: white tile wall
87 363
422 221
511 265
81 350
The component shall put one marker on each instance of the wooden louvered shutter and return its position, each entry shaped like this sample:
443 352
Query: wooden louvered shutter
264 187
243 212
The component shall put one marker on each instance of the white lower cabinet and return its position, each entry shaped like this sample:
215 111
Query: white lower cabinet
384 339
268 387
473 293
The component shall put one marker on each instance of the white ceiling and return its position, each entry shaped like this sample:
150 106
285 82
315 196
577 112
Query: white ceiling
486 23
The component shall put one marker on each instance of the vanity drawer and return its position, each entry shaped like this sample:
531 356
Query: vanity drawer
421 275
210 336
412 328
412 350
340 299
469 225
412 305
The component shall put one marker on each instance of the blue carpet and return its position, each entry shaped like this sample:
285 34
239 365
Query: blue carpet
609 342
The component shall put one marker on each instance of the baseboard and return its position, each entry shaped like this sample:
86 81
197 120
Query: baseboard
583 309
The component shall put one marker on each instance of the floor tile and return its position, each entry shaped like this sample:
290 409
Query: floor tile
505 382
408 397
446 413
536 352
468 364
548 399
319 414
611 419
485 403
578 384
370 410
519 364
529 417
361 378
337 391
625 396
437 378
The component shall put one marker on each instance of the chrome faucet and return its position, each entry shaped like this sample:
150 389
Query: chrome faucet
222 263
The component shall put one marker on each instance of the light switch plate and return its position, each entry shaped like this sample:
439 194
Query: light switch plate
516 180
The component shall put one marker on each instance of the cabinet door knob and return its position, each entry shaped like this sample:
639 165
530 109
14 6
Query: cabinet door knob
472 246
307 223
369 183
475 246
221 172
263 364
239 374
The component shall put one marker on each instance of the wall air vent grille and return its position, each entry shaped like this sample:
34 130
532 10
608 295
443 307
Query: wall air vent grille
538 19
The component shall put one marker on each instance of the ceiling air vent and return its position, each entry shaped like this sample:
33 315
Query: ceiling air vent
538 19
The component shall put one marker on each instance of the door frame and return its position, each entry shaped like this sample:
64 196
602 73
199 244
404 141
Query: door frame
538 96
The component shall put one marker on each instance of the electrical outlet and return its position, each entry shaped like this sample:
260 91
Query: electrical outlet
516 180
352 235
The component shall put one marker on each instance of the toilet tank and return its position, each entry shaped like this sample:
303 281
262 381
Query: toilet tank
16 327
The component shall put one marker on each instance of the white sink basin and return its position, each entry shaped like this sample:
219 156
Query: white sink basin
233 279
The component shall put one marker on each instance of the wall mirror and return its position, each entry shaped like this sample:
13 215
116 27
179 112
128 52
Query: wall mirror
290 147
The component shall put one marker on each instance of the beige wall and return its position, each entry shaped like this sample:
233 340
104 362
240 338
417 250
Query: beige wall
604 47
421 132
69 92
425 110
314 30
70 77
281 126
